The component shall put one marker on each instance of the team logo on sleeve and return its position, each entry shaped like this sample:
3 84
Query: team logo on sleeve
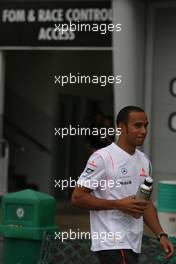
88 170
91 167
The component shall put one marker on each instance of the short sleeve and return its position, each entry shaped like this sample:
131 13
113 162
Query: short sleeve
93 173
148 165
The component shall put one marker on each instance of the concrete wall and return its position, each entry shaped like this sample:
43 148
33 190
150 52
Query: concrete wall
144 53
163 140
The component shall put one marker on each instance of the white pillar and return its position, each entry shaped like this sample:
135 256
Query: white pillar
128 52
1 92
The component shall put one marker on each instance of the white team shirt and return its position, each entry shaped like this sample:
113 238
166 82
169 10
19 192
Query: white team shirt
112 174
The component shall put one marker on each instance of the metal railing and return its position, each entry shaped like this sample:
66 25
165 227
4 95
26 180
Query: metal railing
27 136
78 252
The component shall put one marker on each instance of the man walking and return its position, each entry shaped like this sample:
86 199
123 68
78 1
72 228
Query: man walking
107 187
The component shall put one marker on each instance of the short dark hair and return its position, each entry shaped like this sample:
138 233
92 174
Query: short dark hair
123 114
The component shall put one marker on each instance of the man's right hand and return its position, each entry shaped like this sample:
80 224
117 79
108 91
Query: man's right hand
82 197
132 206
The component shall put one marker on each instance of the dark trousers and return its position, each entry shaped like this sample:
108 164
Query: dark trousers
117 256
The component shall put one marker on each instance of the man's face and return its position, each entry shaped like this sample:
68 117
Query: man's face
136 130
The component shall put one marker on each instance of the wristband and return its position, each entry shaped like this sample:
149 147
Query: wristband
160 235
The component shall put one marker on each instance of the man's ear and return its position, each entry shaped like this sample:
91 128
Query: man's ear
123 127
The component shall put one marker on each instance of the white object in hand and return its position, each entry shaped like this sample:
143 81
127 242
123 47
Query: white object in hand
145 189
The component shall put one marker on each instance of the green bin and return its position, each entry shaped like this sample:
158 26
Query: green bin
26 216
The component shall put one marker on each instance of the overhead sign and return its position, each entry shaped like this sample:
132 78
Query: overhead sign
53 24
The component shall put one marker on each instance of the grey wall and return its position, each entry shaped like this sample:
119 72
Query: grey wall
163 143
